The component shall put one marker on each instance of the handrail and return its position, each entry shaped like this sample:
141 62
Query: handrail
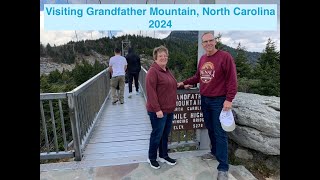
79 110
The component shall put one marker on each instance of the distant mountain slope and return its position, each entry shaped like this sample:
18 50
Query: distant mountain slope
192 36
185 35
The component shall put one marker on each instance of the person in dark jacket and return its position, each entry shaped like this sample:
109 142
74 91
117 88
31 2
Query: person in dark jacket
134 67
161 88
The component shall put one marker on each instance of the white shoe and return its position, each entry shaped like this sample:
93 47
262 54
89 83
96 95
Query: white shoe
137 93
130 95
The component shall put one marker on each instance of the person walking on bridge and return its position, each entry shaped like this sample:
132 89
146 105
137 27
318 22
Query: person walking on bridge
117 67
134 67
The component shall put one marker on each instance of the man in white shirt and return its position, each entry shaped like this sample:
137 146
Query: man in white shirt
117 66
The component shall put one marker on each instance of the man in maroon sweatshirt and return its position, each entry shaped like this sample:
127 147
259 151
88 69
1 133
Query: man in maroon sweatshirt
217 76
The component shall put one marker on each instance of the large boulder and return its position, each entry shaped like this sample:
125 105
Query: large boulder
258 122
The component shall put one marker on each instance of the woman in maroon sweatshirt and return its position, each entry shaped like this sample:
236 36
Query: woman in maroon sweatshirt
161 89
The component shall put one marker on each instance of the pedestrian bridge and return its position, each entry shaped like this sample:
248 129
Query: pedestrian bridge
104 141
83 125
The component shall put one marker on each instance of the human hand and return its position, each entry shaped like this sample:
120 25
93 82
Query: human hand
188 86
179 84
227 105
159 114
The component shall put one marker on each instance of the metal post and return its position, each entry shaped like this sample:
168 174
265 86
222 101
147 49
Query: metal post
202 134
74 127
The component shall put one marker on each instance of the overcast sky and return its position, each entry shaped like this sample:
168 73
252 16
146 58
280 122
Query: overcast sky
254 41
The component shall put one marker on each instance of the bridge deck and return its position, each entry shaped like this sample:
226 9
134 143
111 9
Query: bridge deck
121 136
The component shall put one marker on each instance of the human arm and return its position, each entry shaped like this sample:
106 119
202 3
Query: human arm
139 64
151 89
190 81
231 82
110 69
188 86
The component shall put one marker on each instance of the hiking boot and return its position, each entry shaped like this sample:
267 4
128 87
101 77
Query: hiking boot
208 156
130 95
168 160
222 175
154 164
114 102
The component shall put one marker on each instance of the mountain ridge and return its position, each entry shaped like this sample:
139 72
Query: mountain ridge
192 36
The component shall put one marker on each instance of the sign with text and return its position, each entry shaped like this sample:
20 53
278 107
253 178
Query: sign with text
188 114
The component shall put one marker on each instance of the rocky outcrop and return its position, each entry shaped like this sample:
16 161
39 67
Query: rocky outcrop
47 65
258 122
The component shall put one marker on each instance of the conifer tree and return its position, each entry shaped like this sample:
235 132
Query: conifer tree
243 66
268 71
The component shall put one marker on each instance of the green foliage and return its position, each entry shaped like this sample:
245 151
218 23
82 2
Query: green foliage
268 71
62 82
54 77
42 50
242 64
66 80
248 85
261 77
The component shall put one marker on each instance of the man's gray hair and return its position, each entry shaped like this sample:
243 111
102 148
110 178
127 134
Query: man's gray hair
207 32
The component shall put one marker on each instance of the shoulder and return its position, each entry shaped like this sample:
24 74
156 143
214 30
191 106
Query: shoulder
224 53
202 57
152 71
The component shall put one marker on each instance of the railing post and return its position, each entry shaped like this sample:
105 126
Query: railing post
74 127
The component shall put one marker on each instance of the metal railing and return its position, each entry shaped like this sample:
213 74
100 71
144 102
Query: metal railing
82 107
78 111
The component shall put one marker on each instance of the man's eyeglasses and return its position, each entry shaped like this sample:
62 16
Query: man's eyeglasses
208 41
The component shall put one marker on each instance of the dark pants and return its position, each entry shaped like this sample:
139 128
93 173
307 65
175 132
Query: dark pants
136 79
211 108
161 128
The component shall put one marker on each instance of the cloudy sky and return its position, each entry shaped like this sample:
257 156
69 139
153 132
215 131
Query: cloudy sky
254 41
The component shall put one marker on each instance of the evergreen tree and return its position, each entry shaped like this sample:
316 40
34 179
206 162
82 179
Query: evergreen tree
50 51
42 50
268 71
54 77
243 66
82 72
219 45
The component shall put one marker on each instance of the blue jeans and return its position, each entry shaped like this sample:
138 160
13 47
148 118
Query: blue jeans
211 108
161 128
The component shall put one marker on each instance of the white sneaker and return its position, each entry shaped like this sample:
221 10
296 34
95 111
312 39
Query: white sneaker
130 95
137 93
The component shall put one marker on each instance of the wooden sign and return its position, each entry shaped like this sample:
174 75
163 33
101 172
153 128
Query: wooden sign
188 114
